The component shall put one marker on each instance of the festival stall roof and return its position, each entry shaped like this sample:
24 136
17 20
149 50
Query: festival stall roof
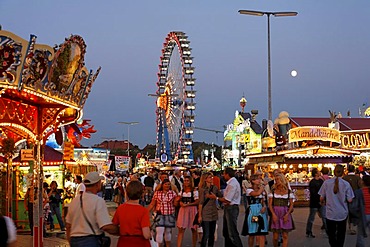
254 125
308 155
345 124
51 157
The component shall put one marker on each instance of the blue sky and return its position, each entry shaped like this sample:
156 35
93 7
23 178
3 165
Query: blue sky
327 43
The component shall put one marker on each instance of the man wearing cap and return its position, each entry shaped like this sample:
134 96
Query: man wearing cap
88 217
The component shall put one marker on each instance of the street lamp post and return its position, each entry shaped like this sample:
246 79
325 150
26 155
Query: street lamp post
268 14
128 134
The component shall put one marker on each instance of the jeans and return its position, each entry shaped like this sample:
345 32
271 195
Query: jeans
336 232
360 239
230 230
209 228
90 241
311 218
55 210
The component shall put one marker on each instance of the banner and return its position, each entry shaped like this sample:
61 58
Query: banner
309 133
122 163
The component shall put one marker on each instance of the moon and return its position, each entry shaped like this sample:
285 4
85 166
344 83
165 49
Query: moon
294 73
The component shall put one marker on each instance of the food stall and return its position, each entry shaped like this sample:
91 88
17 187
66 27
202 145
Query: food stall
301 161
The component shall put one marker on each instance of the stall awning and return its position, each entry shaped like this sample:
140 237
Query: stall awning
314 154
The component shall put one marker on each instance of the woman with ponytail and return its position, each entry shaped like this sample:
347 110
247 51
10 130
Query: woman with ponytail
336 193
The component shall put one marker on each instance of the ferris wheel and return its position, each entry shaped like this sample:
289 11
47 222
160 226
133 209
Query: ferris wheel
176 100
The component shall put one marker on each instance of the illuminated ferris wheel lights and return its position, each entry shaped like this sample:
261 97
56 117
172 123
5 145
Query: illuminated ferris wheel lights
186 152
189 61
189 70
189 131
190 82
190 107
187 52
190 95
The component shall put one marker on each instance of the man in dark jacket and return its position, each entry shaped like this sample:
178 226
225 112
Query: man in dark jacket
355 182
314 187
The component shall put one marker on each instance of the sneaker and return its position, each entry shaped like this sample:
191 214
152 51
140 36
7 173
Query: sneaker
352 232
310 235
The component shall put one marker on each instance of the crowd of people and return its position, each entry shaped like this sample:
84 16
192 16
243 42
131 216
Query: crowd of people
150 206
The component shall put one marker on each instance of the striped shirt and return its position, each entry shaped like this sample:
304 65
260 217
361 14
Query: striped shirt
366 193
165 201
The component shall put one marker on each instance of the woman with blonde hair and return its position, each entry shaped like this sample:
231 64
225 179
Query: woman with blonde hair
207 209
336 193
281 206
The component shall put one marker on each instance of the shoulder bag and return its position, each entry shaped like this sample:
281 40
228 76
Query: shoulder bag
196 222
104 241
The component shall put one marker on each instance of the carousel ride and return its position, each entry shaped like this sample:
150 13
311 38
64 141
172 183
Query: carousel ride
42 88
175 101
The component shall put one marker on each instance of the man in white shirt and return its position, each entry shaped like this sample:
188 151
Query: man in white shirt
80 186
88 215
231 201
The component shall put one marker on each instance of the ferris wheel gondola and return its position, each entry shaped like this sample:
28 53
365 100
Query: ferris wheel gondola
175 100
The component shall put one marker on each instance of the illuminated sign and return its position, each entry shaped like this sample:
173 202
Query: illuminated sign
313 133
243 138
27 155
356 140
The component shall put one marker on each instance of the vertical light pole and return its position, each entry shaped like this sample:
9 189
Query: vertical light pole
276 14
128 134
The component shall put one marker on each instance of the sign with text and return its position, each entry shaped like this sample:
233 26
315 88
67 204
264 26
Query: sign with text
27 155
356 140
122 162
314 133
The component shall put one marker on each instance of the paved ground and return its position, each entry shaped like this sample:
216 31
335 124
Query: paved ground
296 238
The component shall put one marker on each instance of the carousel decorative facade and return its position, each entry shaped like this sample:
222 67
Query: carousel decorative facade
41 89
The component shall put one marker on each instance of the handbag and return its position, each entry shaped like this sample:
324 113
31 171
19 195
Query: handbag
104 241
153 243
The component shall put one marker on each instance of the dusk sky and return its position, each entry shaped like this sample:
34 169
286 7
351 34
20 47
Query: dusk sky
327 43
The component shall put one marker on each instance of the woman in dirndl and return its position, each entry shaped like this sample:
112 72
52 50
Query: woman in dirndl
281 206
188 209
255 223
163 206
